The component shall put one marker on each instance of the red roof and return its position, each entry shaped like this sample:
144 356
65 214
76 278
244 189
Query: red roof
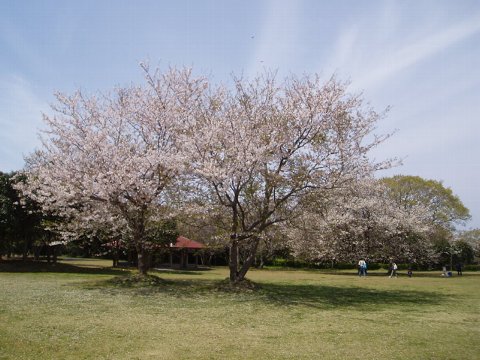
183 242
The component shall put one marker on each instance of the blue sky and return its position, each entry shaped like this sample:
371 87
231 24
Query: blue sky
420 57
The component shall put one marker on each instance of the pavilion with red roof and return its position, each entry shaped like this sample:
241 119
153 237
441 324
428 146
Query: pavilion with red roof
184 247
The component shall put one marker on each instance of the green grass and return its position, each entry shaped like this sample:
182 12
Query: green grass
74 310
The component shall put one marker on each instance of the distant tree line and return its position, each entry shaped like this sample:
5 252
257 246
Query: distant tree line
27 232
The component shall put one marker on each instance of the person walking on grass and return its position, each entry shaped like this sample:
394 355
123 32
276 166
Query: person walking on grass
458 267
361 267
393 268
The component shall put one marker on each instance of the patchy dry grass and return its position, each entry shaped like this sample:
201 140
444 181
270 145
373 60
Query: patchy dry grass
85 310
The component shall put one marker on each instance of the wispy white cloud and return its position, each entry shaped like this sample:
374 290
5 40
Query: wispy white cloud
390 63
343 51
20 119
424 67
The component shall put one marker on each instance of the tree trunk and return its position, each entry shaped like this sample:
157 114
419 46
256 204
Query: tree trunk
25 250
233 261
115 253
130 256
142 261
234 258
451 260
248 263
262 262
115 260
139 241
237 274
36 252
151 260
209 260
259 261
55 254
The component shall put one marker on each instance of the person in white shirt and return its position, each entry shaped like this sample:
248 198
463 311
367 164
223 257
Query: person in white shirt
394 268
361 267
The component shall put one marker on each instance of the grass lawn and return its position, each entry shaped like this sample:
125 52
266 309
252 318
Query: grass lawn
73 311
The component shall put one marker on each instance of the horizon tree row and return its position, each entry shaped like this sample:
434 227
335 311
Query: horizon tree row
334 244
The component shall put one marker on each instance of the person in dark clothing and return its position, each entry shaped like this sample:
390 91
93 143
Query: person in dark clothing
458 267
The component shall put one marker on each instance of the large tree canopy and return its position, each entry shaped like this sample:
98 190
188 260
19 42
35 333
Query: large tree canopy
20 222
107 160
248 154
261 146
444 207
472 238
359 222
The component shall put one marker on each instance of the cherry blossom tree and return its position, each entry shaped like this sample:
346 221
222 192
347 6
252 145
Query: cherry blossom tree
247 154
361 222
109 159
259 147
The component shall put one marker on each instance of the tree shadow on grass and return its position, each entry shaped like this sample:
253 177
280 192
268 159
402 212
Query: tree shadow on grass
291 295
19 266
197 271
151 285
323 296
